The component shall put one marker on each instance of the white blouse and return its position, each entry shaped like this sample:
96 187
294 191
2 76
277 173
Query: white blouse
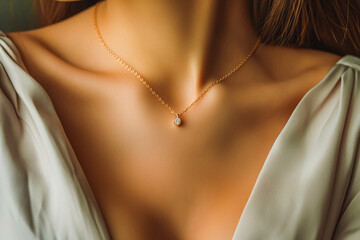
308 187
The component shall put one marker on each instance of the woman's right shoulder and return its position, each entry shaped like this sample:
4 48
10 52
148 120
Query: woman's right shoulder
47 37
29 45
55 46
18 89
19 48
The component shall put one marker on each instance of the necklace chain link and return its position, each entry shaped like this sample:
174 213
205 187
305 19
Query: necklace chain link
136 74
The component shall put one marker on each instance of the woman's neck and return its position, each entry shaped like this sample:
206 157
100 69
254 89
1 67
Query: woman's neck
179 44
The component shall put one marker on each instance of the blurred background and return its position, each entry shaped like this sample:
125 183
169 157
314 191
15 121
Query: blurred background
17 15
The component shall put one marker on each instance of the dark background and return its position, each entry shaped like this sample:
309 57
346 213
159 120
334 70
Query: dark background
17 15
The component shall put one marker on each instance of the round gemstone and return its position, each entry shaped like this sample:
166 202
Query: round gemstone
177 121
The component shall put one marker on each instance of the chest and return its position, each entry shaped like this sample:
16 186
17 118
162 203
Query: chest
151 177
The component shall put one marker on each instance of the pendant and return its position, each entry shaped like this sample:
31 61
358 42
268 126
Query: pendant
177 120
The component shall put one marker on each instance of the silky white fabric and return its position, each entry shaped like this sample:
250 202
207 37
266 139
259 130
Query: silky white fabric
308 188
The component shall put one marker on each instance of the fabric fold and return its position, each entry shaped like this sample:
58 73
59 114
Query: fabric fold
44 193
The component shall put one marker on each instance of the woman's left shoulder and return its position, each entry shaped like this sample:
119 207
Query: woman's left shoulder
306 63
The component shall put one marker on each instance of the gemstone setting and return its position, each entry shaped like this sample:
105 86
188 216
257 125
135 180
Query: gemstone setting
177 120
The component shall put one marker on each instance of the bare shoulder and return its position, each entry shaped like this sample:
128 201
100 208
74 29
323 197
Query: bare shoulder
63 41
282 63
55 32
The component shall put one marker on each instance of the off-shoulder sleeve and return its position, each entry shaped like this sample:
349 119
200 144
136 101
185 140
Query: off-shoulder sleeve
43 191
308 187
17 204
348 225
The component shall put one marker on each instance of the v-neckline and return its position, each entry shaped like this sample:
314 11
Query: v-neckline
85 183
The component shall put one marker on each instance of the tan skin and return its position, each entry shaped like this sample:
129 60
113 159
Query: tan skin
151 179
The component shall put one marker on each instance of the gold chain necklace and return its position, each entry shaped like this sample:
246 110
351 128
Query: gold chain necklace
177 120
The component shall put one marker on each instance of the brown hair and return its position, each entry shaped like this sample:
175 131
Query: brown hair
329 25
